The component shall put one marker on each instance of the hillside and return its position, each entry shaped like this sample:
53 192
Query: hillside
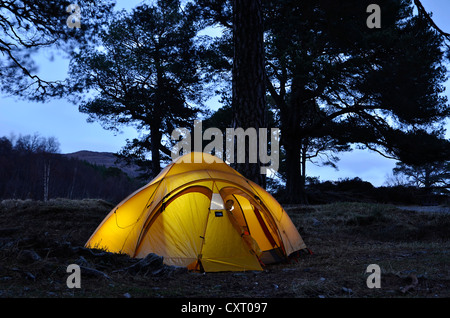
82 175
107 159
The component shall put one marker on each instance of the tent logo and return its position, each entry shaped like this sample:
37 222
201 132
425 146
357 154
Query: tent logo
235 145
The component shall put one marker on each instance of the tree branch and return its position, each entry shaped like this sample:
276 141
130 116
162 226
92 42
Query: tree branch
433 24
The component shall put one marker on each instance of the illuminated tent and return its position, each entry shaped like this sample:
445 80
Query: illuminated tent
202 214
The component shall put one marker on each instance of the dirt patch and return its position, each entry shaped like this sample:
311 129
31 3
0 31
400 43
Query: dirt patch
39 240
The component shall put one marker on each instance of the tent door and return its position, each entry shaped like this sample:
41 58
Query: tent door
223 248
255 222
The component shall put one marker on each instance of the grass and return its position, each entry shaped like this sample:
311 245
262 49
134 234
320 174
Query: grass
350 236
344 238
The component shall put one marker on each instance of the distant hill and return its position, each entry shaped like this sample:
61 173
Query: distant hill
107 159
80 175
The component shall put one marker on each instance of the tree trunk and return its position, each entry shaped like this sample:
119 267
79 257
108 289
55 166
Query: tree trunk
293 117
72 187
304 148
295 185
155 140
46 179
248 100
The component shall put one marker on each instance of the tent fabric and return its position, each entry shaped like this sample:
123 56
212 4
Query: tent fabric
202 214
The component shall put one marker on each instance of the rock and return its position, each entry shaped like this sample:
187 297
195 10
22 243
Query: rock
82 262
29 276
288 269
240 275
175 270
93 272
414 282
28 256
9 231
153 265
347 290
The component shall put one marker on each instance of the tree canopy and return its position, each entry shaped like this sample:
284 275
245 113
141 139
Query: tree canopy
145 71
331 75
30 25
314 69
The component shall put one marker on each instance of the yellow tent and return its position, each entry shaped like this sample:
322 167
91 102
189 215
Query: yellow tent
202 214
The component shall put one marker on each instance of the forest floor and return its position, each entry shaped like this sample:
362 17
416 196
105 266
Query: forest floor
39 240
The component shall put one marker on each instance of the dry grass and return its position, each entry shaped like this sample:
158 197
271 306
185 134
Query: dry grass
344 238
347 237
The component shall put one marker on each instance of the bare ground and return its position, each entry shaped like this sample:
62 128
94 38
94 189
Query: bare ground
39 240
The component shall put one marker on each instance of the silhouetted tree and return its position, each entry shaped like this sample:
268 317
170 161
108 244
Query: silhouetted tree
146 73
29 25
327 69
27 172
430 175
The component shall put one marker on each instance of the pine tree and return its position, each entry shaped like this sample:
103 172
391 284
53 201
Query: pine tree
27 26
248 98
326 69
147 74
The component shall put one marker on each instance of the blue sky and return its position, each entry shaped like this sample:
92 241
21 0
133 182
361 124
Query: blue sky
62 120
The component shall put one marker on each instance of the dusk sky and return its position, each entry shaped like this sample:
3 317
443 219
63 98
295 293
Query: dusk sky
61 119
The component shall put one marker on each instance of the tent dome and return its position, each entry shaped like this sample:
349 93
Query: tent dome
200 213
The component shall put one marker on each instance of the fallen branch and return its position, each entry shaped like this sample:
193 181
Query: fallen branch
93 272
414 283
